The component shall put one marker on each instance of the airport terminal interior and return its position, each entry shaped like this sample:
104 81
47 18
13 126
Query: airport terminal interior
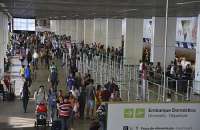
99 64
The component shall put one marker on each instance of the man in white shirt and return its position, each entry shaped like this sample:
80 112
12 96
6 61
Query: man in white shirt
35 59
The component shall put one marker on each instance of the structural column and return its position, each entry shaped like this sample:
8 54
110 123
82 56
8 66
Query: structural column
132 29
72 29
67 28
113 32
79 30
62 27
3 40
88 31
100 31
53 25
1 46
197 64
5 34
158 40
57 27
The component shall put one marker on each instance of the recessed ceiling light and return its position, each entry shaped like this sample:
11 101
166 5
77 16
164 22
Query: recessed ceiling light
188 2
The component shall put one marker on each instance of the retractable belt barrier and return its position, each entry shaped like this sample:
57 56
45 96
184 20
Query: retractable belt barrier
132 86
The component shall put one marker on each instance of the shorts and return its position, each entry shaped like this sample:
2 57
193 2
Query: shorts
91 104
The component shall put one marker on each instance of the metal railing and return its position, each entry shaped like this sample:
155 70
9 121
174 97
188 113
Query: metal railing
131 85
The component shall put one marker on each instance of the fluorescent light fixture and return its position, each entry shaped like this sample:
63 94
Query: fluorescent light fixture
114 17
188 2
2 5
64 16
128 10
92 14
179 3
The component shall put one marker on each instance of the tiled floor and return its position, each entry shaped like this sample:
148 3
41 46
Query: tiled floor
11 113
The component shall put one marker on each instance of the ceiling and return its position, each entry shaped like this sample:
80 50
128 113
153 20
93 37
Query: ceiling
80 9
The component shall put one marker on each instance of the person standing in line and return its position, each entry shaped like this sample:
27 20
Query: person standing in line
25 96
65 110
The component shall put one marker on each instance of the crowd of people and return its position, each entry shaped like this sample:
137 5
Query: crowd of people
96 49
179 70
81 95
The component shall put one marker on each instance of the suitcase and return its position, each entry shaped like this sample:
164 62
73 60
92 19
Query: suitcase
56 125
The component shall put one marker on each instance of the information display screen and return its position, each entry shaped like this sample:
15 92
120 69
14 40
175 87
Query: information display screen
24 24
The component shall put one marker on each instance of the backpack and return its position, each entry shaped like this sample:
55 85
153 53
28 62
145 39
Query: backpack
27 73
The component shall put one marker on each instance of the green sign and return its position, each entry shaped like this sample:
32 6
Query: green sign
134 113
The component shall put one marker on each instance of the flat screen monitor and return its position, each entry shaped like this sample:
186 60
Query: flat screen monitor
24 24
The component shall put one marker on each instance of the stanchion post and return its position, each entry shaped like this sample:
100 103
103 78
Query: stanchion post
129 89
147 90
188 91
138 91
167 83
159 87
176 91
